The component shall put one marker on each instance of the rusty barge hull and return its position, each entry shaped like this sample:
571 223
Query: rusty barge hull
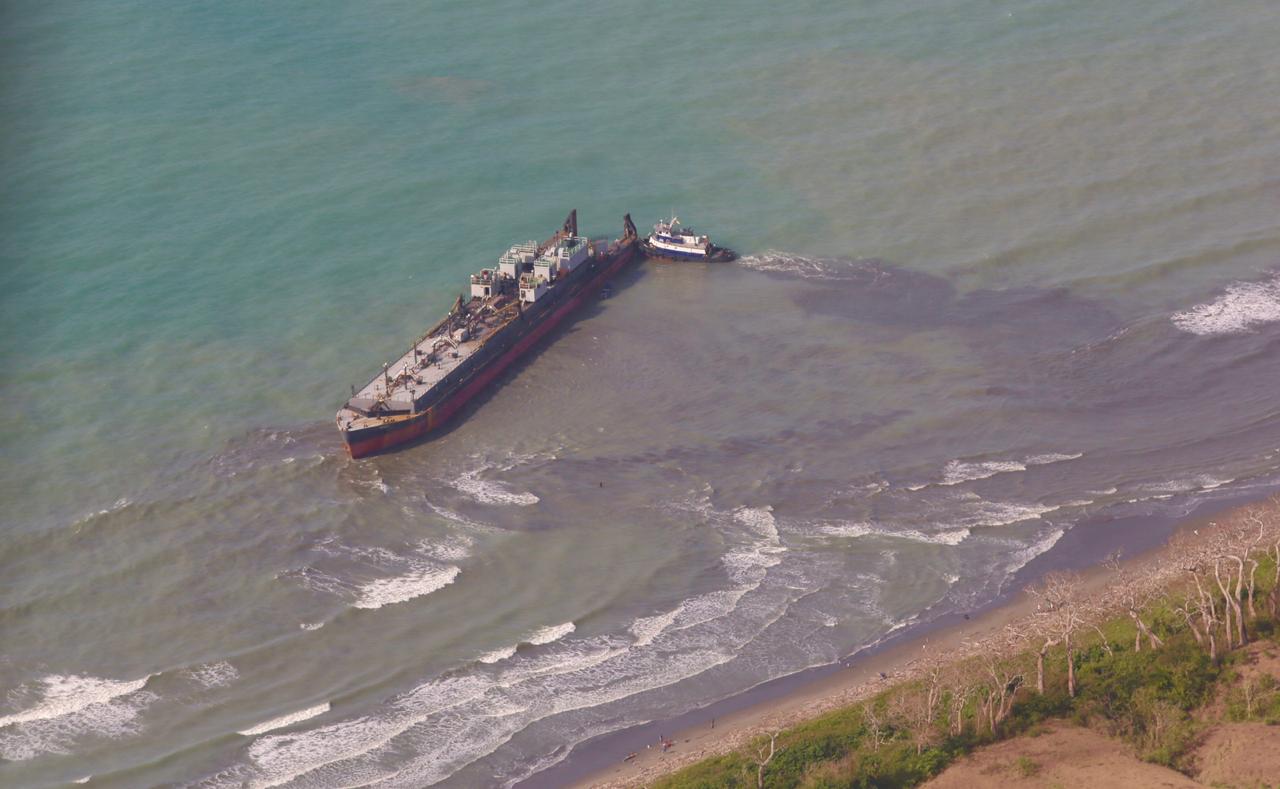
515 333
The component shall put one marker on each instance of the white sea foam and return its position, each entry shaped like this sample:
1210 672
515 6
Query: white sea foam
747 563
66 694
453 548
943 537
1020 558
1053 457
1241 308
454 719
423 579
460 519
1201 482
545 635
119 504
286 720
215 675
958 471
497 655
787 263
491 491
1002 513
647 628
73 707
851 530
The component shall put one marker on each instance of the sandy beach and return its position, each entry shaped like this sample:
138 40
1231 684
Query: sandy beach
862 675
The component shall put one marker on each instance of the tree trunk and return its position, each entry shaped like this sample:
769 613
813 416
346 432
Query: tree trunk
1235 601
1195 631
1071 670
1152 639
1253 579
1228 633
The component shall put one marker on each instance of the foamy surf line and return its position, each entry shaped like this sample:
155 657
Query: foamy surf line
959 471
422 580
286 720
1239 310
853 530
491 492
566 672
540 637
546 635
66 694
73 707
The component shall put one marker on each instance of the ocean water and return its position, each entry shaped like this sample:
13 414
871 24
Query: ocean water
1006 267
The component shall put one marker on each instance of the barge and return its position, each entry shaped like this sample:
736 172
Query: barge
534 287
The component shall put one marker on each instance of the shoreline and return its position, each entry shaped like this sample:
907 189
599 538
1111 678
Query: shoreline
785 701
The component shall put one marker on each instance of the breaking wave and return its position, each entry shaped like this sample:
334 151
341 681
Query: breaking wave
67 694
941 537
418 573
497 655
958 471
71 707
421 580
215 675
546 635
1241 308
456 718
286 720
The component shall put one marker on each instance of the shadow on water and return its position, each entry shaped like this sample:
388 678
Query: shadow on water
880 293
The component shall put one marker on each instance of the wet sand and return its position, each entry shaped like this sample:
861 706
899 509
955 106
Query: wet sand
726 725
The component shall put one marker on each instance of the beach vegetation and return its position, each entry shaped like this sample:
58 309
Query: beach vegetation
1149 658
1027 767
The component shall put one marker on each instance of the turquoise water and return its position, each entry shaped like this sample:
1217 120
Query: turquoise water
1005 264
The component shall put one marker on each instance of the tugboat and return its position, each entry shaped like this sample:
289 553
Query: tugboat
671 241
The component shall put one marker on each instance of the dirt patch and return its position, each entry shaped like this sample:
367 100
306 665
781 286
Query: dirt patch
1257 660
1240 755
1065 756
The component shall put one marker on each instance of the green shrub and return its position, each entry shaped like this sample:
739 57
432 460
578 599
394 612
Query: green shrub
1035 708
1256 699
730 771
1027 767
1163 731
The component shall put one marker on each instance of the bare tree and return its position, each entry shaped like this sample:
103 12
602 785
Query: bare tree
875 725
1061 610
1002 678
917 706
1190 611
1129 593
962 683
1230 606
1207 611
763 760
